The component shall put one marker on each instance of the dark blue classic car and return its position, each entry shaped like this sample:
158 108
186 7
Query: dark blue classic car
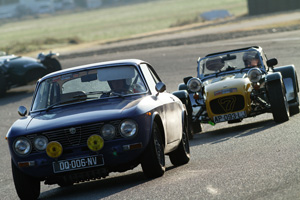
88 121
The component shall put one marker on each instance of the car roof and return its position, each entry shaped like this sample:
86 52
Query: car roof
135 62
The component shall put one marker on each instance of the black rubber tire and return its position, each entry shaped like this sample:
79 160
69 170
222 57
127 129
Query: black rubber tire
189 110
27 187
2 85
153 161
279 105
52 65
181 155
295 109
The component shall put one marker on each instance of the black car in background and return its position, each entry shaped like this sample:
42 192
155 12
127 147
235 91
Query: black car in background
17 71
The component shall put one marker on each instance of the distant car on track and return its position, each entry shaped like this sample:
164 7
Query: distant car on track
21 70
236 84
88 121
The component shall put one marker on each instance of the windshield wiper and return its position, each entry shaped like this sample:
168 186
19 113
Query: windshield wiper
117 94
108 93
97 92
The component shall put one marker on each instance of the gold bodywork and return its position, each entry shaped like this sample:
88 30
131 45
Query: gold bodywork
224 92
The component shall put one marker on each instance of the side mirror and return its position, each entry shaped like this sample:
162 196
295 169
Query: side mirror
160 87
272 62
22 111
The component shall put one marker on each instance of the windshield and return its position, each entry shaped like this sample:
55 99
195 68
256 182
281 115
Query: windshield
225 62
87 85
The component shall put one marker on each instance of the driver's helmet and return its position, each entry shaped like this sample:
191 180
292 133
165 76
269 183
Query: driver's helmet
120 85
249 58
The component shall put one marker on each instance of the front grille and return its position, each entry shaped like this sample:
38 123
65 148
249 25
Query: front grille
227 104
76 135
69 138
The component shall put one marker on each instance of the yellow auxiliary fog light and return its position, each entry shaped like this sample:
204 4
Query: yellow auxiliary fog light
54 149
95 142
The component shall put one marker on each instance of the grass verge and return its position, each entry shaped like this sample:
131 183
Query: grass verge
107 24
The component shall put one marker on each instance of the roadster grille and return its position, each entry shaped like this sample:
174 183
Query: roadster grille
227 104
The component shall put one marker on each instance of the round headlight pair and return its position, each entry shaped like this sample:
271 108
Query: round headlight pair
22 146
254 75
128 128
195 85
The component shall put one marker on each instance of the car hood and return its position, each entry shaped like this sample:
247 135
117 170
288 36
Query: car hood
226 85
81 113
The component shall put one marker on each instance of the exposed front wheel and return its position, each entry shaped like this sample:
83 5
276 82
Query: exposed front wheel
52 64
279 105
181 155
27 187
153 161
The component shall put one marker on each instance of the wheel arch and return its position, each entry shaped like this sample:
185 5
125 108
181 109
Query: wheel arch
290 80
289 71
157 119
182 95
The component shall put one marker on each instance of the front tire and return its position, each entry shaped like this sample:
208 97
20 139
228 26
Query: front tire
27 187
52 64
153 161
181 155
189 110
279 105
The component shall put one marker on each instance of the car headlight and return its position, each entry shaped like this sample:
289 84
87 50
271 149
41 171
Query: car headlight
40 143
22 146
108 132
128 128
194 85
254 75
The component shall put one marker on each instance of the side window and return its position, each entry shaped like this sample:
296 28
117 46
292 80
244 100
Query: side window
42 96
151 78
156 79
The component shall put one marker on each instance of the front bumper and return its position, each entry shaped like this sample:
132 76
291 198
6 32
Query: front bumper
118 156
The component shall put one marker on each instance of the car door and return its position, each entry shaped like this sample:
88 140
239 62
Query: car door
170 107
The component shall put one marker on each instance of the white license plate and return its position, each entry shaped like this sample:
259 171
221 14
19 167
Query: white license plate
78 163
229 117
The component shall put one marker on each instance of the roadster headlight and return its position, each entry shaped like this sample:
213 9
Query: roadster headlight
194 85
40 143
22 146
128 128
108 132
254 75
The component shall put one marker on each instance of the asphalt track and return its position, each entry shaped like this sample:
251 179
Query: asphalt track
255 159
